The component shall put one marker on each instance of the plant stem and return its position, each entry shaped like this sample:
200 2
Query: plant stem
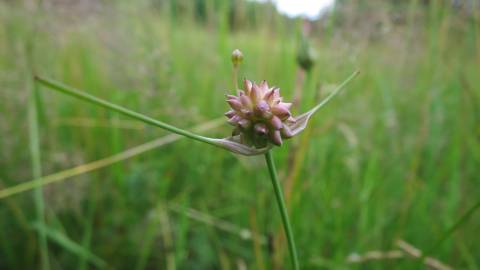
235 78
37 172
114 107
283 209
452 229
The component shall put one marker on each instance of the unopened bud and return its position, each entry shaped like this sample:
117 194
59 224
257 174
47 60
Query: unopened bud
306 55
237 57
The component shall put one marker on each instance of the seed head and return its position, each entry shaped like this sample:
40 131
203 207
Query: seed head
237 57
259 115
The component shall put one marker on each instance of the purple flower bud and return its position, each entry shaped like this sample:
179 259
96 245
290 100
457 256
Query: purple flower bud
230 114
276 122
261 108
263 86
281 111
246 101
276 137
287 105
235 104
231 97
269 95
234 120
273 96
247 85
255 94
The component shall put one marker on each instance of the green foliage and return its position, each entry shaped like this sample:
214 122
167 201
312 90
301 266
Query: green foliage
396 156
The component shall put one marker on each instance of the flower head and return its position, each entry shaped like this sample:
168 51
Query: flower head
259 115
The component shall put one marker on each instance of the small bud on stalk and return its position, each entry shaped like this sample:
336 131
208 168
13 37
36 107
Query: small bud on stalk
237 57
306 55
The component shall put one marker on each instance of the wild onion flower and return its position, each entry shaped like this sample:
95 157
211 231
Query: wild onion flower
261 120
259 115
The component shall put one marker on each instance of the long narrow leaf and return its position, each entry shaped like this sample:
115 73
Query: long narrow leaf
101 163
117 108
69 245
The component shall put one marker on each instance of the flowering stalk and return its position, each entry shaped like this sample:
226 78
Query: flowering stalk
283 210
261 120
259 115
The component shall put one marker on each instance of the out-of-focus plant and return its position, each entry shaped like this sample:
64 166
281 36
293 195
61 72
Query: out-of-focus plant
306 54
260 118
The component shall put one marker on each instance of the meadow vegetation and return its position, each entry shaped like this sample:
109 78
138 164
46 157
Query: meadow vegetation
395 156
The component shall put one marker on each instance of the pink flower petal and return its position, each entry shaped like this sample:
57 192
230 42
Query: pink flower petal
287 105
235 104
276 137
264 86
276 122
230 114
234 120
261 108
256 93
281 112
232 97
247 86
246 101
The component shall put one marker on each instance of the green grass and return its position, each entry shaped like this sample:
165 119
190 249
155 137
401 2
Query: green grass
394 157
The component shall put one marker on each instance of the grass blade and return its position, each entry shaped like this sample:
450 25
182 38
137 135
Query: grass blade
453 228
69 245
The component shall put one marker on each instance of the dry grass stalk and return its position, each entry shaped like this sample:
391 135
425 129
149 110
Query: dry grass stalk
84 168
405 250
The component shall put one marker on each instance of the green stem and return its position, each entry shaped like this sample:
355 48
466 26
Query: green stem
37 172
235 79
135 115
283 209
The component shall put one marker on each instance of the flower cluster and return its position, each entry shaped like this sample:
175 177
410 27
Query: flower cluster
259 115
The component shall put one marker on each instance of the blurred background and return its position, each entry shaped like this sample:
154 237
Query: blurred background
384 169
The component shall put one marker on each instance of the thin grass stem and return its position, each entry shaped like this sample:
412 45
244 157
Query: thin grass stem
235 78
283 209
452 229
37 173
